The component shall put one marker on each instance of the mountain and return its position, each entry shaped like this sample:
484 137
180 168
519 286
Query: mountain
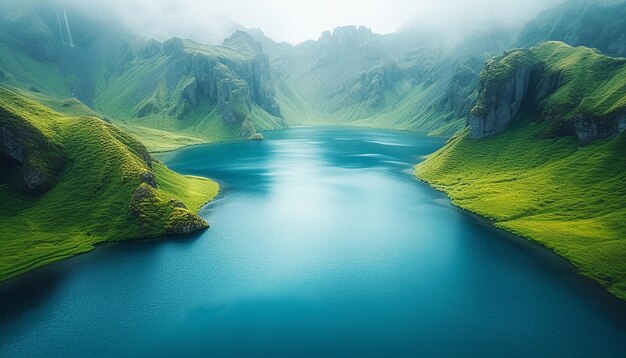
404 80
180 92
171 93
543 156
180 86
597 24
70 182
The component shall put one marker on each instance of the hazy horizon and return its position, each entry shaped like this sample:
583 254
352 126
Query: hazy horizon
296 22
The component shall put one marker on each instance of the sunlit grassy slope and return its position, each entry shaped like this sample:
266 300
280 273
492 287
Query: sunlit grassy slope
569 198
98 171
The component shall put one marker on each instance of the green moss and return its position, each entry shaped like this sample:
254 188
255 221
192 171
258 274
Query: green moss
570 199
92 201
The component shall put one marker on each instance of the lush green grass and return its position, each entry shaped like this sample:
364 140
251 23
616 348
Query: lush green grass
571 199
20 70
592 83
90 200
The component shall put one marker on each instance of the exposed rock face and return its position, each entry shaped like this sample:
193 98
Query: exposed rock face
183 222
230 80
523 81
370 86
233 99
145 204
348 42
247 129
502 90
40 160
460 94
588 128
149 178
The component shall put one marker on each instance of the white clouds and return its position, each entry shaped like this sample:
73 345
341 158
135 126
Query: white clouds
296 21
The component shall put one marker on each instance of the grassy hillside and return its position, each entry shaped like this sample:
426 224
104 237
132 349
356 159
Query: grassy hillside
68 183
540 183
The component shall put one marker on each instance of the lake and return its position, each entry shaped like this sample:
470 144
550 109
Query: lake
322 243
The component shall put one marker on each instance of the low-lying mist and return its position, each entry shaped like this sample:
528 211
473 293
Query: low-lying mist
297 21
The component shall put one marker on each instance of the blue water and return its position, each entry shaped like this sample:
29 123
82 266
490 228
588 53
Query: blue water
322 243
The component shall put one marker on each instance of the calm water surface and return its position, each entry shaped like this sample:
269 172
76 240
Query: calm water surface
322 243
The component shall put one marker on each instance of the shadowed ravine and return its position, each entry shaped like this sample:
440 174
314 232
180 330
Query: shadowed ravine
322 243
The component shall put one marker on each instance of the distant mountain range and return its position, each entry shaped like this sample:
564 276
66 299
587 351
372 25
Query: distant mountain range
181 92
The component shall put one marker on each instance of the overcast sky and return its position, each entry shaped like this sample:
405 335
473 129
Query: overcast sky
296 21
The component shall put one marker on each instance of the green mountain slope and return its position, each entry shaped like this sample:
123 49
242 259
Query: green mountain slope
403 80
597 24
68 183
169 94
543 156
210 93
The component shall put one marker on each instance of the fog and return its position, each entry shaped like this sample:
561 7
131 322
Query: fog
297 21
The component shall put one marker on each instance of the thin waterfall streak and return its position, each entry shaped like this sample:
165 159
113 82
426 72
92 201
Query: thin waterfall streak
60 28
69 33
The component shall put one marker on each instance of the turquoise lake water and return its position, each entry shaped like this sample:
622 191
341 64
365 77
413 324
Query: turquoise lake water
321 244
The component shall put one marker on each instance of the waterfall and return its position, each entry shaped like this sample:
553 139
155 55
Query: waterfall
60 28
69 33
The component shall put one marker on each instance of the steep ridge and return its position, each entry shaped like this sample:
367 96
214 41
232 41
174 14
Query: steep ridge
210 92
543 156
170 94
585 100
68 183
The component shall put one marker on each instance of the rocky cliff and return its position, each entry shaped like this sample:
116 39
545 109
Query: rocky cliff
30 161
232 77
503 85
575 91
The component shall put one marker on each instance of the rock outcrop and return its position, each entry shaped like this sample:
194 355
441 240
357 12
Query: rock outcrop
544 84
35 159
369 87
145 205
233 78
183 222
503 85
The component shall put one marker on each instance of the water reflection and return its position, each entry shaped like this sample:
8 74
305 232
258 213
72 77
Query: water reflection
322 243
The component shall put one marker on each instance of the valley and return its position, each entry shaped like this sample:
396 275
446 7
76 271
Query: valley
475 168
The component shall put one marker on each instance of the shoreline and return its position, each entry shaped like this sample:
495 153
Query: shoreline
493 224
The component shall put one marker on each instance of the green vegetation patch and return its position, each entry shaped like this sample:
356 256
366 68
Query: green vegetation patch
570 199
95 195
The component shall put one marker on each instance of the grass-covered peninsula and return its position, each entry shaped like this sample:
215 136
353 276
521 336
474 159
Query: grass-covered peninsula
68 183
555 172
